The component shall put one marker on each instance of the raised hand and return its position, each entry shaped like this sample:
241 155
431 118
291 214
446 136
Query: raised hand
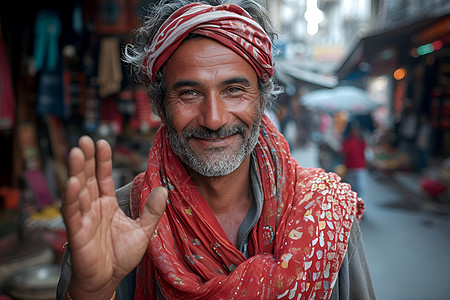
105 244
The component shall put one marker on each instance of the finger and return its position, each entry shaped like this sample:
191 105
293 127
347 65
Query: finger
86 144
153 210
71 207
76 163
104 169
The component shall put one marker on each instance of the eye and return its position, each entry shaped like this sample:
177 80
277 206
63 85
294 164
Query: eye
234 92
189 94
235 89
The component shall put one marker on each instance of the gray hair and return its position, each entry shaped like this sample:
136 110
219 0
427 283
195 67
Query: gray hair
134 54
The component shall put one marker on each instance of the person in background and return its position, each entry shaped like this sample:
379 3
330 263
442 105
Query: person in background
223 211
353 149
423 142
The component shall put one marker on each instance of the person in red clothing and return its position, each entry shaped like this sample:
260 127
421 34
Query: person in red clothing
353 149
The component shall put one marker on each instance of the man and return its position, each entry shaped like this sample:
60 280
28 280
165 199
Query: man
222 211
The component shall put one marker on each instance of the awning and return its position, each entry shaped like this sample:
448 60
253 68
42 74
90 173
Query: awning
369 47
308 76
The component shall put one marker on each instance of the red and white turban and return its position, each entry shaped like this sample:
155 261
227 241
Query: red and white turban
228 24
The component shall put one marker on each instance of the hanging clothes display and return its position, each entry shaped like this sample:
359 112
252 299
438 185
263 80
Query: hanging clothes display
46 44
50 98
7 100
109 68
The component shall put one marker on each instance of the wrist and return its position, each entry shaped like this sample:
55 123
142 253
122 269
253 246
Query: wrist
68 297
76 292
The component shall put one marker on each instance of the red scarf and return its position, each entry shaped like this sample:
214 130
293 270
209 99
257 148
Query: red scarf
296 247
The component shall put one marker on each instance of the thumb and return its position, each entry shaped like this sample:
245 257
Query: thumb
153 210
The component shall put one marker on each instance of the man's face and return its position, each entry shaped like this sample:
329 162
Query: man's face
212 106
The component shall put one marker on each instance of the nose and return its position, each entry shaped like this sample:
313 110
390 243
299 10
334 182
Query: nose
213 112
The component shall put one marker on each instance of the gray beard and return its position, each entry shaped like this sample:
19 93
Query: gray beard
213 162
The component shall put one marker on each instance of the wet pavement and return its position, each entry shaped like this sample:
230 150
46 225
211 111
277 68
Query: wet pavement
406 236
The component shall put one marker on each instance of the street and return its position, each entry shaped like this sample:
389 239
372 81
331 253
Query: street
406 246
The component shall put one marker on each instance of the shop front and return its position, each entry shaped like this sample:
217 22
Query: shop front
408 71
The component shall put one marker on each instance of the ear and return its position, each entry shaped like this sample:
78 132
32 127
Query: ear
262 104
162 116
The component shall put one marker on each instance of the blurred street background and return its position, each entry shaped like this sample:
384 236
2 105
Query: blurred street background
384 66
406 236
379 69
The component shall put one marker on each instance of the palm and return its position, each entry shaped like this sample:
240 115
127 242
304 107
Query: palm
105 244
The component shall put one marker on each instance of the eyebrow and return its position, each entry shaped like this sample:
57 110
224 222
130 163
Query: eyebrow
192 83
239 79
182 83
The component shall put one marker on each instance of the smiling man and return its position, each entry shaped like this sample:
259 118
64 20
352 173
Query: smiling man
214 93
222 211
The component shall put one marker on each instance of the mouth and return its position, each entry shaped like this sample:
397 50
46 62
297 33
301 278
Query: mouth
221 142
214 139
205 139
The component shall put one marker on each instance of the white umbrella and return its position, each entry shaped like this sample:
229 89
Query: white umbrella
349 98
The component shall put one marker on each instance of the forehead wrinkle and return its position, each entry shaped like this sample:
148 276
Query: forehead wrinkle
204 62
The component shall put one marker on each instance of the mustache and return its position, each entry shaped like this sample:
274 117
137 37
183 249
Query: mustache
222 132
